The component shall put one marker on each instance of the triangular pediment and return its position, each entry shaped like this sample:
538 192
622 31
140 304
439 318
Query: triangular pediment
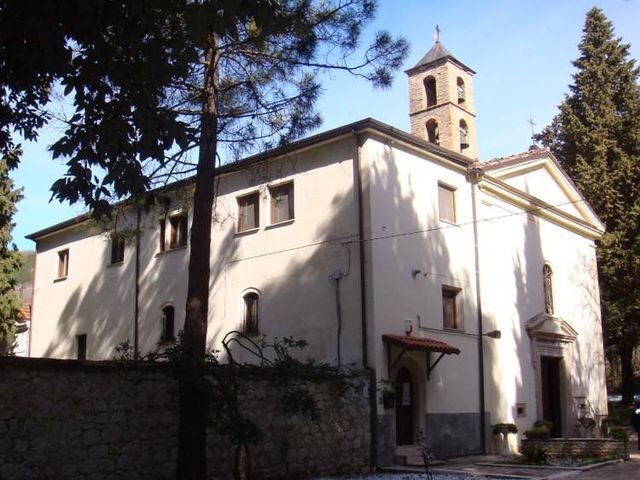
550 327
537 176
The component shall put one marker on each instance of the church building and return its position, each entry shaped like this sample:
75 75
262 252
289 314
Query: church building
467 288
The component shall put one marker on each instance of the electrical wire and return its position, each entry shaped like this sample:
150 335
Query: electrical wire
352 239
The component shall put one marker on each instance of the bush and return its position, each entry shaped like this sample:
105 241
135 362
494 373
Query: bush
504 428
536 433
535 454
618 433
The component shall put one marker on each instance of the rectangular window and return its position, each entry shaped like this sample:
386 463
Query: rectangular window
446 203
81 344
249 212
178 230
63 263
162 227
451 308
117 248
282 203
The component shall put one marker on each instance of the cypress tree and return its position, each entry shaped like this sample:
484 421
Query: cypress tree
596 138
10 260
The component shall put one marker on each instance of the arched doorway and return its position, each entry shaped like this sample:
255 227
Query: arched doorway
405 395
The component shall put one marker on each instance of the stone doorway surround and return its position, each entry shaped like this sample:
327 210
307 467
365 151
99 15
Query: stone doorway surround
552 336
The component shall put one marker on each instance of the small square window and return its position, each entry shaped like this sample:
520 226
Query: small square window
451 308
178 230
117 248
63 263
249 212
282 203
446 203
521 409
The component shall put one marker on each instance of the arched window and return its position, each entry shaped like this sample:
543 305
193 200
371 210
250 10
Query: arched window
168 324
433 134
547 276
250 319
462 93
430 91
464 135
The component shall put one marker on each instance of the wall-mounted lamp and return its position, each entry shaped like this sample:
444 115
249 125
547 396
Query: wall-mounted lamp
415 272
495 334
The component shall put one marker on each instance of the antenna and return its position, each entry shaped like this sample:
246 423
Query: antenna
533 124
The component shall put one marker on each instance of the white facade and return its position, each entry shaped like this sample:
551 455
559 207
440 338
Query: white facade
389 234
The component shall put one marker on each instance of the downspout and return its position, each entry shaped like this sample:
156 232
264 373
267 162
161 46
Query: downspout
136 310
373 404
475 175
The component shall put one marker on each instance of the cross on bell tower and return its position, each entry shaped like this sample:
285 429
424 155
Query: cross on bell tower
441 100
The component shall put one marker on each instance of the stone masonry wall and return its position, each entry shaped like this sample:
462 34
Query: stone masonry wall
99 420
581 447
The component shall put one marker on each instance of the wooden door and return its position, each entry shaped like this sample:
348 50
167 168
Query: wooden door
551 397
404 407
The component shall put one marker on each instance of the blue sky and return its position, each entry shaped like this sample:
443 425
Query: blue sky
521 51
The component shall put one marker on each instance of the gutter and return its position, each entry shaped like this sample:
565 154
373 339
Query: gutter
475 175
136 311
373 403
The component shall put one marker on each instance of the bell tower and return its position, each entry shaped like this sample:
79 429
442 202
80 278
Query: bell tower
441 101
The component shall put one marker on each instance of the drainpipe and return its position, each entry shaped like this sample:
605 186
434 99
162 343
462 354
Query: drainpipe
475 175
136 311
373 403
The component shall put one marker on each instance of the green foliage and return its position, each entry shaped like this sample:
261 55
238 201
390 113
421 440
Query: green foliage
619 433
596 138
10 260
541 429
535 454
500 428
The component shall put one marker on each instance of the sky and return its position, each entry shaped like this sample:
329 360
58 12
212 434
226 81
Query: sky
521 50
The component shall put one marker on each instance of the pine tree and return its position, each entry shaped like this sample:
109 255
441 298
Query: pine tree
596 137
154 80
10 261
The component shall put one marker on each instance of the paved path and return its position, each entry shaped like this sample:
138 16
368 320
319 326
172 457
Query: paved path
620 471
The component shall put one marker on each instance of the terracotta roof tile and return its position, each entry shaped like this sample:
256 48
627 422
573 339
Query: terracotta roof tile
420 343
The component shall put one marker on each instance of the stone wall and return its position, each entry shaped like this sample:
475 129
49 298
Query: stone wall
100 420
581 447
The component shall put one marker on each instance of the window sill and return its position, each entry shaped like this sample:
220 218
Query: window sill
280 224
169 250
449 222
116 264
60 279
249 231
453 331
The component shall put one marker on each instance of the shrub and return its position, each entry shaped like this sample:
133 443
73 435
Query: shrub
618 433
535 454
535 433
504 428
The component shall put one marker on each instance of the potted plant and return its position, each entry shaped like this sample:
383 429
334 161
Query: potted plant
505 429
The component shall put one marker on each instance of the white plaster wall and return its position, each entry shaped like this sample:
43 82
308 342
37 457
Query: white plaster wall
96 298
406 234
514 248
289 264
540 183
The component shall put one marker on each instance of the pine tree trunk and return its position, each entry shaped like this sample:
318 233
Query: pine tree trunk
191 463
626 367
